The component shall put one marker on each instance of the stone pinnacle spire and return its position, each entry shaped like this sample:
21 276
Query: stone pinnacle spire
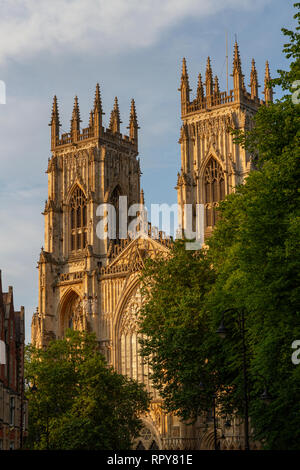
184 69
97 100
184 88
237 66
54 123
91 120
133 123
238 77
133 117
253 81
75 121
200 89
97 112
115 120
216 86
208 78
55 113
268 91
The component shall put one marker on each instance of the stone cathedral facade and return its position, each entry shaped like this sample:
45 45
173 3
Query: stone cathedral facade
88 283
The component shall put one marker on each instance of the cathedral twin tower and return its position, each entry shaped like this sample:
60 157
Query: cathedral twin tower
211 163
88 283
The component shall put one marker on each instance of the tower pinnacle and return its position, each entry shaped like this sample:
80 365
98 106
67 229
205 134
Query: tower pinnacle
115 120
97 112
133 123
208 78
184 88
237 66
238 77
208 82
216 86
200 89
268 91
75 121
253 81
54 123
55 113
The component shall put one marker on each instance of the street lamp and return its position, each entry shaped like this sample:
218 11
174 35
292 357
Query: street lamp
34 389
222 332
266 397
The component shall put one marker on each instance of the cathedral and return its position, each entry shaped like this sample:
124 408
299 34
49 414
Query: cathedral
90 283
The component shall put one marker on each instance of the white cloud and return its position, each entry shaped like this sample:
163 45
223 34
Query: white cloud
28 27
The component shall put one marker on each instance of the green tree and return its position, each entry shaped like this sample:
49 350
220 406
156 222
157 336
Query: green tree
176 330
252 265
76 401
255 251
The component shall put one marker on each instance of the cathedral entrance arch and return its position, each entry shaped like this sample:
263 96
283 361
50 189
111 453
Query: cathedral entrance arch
71 313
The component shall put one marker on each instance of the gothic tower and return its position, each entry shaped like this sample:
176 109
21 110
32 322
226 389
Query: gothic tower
86 282
211 163
87 167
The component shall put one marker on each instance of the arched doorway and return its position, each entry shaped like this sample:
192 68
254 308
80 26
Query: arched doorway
72 314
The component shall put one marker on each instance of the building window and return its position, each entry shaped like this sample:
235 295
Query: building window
214 191
12 411
78 220
115 201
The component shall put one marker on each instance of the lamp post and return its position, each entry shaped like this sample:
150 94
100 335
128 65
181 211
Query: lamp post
222 332
265 396
34 389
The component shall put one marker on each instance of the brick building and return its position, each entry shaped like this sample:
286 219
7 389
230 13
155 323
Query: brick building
13 407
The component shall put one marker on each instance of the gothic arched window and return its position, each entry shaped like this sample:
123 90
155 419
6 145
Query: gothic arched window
78 205
114 200
214 191
132 363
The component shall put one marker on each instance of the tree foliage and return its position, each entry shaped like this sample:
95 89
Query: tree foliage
252 265
174 323
76 401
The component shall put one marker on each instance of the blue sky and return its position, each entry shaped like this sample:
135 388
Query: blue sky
133 49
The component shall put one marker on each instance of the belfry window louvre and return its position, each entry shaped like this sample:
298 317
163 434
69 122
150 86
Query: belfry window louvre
78 205
214 191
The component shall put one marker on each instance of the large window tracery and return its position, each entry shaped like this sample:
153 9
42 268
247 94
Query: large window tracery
132 363
214 191
78 205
